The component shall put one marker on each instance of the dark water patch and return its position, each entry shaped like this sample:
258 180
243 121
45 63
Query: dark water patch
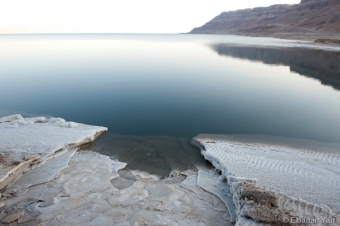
151 157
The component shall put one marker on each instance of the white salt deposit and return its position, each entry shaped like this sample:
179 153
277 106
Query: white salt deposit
83 195
46 171
11 118
272 183
46 182
211 182
25 142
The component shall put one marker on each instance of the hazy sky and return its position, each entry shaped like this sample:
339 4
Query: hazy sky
115 16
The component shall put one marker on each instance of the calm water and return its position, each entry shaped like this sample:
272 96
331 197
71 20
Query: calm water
174 85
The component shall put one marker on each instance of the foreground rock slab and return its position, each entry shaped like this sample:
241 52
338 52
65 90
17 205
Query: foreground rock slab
277 181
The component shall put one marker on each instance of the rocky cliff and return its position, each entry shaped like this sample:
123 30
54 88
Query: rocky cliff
310 16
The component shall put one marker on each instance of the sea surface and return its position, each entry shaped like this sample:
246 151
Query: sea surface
174 85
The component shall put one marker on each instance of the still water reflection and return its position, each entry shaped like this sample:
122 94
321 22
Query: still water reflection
321 65
173 85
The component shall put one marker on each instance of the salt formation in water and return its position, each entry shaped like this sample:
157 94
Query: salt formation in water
275 181
182 168
63 186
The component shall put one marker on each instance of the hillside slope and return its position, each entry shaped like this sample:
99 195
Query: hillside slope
310 16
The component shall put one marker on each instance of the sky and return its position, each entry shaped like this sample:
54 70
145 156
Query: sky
115 16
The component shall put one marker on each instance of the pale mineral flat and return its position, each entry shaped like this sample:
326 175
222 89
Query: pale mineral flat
275 180
55 184
26 142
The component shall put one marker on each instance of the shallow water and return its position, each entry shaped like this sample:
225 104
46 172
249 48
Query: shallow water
151 157
174 85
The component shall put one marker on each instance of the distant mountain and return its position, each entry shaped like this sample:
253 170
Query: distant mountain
310 16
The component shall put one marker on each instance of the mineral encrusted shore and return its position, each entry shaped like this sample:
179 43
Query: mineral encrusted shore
28 142
47 180
277 181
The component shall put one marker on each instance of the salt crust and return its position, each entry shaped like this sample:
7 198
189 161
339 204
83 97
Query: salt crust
265 179
26 142
272 182
83 195
211 182
60 186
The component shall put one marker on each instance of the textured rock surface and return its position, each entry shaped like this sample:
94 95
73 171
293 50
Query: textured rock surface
309 17
274 179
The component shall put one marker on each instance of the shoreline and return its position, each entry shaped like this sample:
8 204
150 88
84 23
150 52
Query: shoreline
274 183
73 185
263 180
309 38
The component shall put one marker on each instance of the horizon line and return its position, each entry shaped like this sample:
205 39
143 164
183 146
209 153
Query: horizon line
91 33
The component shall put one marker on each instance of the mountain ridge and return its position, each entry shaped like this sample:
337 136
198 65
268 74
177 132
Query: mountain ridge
307 17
